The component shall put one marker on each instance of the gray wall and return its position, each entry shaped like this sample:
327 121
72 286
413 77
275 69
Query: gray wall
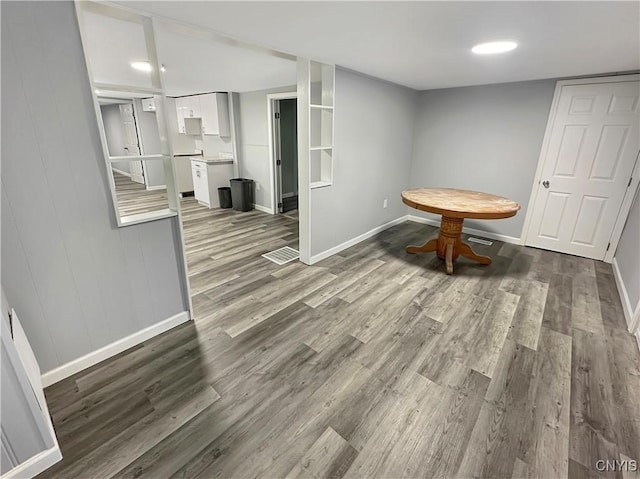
253 144
485 138
114 132
76 280
213 144
628 254
373 140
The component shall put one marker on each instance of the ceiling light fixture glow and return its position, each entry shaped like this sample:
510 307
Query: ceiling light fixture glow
494 47
142 66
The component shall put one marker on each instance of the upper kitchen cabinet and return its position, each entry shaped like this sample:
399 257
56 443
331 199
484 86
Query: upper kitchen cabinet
148 104
215 114
188 123
203 114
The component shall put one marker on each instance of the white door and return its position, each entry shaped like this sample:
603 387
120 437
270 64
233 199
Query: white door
132 146
592 148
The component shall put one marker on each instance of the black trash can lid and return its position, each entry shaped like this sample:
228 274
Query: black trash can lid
241 180
224 188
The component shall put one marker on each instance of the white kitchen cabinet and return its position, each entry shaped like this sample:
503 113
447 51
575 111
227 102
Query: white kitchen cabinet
188 124
209 174
203 114
182 107
215 114
195 110
148 104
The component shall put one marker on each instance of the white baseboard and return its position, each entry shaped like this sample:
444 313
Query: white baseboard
402 219
157 187
629 312
264 209
120 171
356 240
472 231
36 464
105 352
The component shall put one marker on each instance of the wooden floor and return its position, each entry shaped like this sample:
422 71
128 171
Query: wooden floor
133 198
372 363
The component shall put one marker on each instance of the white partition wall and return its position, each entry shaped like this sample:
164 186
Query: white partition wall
315 141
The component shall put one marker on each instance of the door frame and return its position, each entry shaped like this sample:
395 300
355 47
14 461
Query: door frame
273 181
136 121
631 189
136 115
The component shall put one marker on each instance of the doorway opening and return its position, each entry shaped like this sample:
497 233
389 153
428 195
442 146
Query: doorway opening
283 134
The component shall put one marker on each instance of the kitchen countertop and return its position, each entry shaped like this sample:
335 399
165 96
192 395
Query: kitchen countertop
212 159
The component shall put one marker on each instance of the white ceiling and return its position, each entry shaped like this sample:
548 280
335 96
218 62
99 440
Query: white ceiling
195 65
426 45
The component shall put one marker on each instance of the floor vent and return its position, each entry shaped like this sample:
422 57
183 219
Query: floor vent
282 255
480 240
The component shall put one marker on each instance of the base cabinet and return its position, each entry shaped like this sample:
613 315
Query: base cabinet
207 178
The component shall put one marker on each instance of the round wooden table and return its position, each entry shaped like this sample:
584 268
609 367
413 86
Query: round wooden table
454 206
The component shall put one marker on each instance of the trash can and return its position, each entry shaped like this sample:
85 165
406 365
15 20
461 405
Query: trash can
242 194
224 194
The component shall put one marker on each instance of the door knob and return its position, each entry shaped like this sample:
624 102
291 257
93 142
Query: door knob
545 183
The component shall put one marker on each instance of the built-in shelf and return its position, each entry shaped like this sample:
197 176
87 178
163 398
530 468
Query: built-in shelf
111 159
321 109
319 184
148 216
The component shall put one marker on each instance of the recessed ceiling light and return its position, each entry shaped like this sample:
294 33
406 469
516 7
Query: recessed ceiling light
142 66
494 47
97 92
162 68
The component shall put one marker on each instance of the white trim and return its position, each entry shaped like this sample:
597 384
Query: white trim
264 209
132 158
472 231
36 464
136 118
637 335
304 135
626 204
272 171
319 184
157 187
147 216
630 315
121 172
88 360
416 219
625 209
356 240
635 322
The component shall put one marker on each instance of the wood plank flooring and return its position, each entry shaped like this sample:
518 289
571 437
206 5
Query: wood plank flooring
133 198
372 363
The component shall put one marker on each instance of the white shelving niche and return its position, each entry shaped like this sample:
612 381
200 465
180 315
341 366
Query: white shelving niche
321 111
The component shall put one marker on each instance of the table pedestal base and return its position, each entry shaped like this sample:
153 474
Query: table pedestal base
449 245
